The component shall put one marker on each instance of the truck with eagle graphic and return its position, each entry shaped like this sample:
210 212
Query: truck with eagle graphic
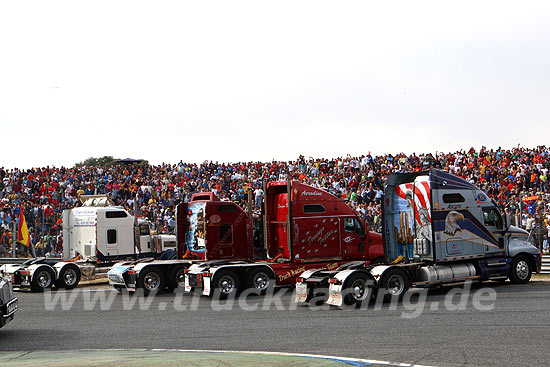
222 248
437 229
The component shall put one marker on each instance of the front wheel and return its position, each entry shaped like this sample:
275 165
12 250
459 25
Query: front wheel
520 270
395 283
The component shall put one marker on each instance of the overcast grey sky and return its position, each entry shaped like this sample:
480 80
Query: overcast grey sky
256 80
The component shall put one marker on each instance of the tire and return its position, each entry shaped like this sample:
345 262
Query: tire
259 281
395 283
226 283
118 288
151 280
358 289
177 277
520 270
42 278
69 277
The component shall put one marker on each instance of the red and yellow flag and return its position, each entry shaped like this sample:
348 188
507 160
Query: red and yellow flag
22 231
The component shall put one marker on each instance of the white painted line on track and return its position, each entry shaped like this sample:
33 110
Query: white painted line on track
351 361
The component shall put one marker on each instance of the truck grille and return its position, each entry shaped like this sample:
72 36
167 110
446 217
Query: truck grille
7 291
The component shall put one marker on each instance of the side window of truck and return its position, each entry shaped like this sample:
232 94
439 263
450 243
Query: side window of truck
144 230
111 236
491 217
226 234
453 198
314 208
116 214
349 225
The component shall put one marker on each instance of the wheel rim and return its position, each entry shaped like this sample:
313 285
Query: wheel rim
260 281
359 290
396 285
69 278
226 284
44 279
522 269
180 276
151 281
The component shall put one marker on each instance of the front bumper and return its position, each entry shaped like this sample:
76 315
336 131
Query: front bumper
8 310
118 276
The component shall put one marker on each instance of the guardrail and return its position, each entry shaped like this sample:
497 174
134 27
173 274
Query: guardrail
545 264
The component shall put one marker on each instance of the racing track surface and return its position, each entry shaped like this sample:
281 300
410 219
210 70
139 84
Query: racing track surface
516 332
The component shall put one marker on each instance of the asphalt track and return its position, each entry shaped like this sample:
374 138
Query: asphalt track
511 330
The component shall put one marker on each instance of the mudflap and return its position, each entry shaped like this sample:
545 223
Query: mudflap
301 292
335 295
206 286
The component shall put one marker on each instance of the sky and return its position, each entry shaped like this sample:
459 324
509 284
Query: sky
259 80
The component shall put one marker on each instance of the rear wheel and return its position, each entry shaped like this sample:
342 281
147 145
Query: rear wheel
358 289
42 279
69 277
177 277
226 283
259 281
151 280
395 283
520 270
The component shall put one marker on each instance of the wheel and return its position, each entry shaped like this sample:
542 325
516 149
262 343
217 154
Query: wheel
68 278
358 289
395 283
520 270
151 280
118 288
42 278
226 282
260 281
177 277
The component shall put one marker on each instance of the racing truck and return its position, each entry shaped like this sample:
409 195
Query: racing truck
301 227
223 246
437 229
95 236
8 302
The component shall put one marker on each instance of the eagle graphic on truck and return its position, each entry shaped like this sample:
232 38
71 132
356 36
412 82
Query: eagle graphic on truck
437 229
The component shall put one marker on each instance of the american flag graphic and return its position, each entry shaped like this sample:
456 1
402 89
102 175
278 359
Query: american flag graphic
419 190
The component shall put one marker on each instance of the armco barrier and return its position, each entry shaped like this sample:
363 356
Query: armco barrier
545 264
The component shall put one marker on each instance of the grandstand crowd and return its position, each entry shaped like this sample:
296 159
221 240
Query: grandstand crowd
154 190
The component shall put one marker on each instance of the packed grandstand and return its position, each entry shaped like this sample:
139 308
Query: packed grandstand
516 179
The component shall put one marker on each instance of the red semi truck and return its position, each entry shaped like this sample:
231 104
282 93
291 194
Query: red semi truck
303 228
222 246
